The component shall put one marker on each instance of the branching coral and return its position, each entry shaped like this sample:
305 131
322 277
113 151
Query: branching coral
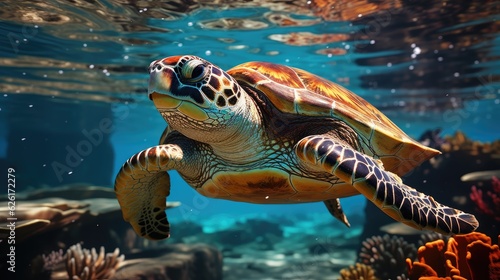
357 272
470 256
387 255
53 260
490 204
82 264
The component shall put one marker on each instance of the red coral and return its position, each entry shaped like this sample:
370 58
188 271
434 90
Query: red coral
490 204
470 256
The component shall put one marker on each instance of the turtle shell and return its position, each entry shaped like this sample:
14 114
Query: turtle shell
296 91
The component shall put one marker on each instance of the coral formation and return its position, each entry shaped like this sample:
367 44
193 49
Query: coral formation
173 261
489 204
36 217
431 236
53 260
470 256
387 255
83 264
358 271
460 142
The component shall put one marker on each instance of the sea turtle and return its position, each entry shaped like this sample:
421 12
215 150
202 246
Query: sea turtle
268 133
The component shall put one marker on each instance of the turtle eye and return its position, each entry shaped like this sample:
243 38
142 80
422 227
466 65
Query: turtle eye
194 70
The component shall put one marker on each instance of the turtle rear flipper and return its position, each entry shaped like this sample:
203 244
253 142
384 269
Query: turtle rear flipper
383 188
334 207
142 186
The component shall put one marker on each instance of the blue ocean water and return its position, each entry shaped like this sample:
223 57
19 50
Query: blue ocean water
66 56
70 68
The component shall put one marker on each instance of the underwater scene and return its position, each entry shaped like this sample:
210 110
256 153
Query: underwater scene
318 139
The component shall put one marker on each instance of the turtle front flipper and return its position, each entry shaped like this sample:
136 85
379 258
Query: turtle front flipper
142 185
383 188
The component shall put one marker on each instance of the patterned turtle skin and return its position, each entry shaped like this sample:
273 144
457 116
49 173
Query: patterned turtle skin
268 133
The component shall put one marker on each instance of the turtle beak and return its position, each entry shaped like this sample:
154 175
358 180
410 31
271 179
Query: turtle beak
160 78
164 102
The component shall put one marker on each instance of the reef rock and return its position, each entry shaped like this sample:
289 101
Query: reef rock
177 262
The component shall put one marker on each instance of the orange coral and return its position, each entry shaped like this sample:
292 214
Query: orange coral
469 256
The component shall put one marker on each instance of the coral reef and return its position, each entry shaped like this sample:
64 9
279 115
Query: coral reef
54 260
173 261
67 210
36 217
387 255
431 236
82 264
470 256
489 204
358 271
55 218
460 142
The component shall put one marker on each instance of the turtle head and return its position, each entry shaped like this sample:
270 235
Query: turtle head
196 97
